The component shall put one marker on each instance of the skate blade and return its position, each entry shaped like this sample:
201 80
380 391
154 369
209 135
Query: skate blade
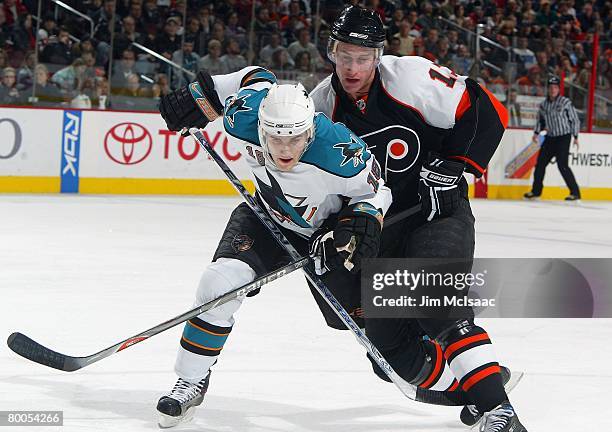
165 421
515 379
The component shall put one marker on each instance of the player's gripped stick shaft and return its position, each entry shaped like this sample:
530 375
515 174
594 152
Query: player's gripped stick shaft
32 350
411 391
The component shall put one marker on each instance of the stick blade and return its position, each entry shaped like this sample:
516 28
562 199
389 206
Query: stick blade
32 350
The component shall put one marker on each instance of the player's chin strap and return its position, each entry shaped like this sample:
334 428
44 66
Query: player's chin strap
409 390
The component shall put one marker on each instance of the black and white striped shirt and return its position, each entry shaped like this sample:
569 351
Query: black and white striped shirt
558 117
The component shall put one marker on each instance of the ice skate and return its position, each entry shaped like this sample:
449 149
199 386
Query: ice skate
530 196
469 414
179 405
501 419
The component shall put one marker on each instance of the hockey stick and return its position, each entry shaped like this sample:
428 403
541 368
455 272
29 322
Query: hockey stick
32 350
409 390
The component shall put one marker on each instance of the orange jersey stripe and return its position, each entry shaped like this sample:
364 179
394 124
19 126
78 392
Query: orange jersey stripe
470 161
207 331
502 112
454 386
463 342
464 105
479 377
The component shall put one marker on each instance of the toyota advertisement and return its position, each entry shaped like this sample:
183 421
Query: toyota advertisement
108 152
72 151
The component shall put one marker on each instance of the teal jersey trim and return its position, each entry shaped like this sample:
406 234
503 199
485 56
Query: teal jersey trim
336 149
240 114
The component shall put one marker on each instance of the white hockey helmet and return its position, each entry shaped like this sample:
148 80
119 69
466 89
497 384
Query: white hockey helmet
287 110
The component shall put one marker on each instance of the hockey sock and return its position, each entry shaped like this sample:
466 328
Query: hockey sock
472 360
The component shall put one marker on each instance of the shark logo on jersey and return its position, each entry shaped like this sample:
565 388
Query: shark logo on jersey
279 204
235 105
351 151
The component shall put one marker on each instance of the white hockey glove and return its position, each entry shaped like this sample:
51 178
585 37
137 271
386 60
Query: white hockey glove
438 186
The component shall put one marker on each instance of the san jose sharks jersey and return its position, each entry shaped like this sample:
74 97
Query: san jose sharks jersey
336 169
415 107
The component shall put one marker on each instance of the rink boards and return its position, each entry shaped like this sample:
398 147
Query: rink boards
113 152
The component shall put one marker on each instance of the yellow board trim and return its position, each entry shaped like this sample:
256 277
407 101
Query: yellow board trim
30 184
134 186
549 192
138 186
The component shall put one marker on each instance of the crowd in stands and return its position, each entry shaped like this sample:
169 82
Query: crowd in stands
66 62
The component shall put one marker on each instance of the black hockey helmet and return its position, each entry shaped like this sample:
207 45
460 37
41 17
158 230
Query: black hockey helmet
553 80
359 26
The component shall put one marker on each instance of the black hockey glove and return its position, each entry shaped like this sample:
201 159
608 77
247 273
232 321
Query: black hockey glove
180 110
355 237
438 186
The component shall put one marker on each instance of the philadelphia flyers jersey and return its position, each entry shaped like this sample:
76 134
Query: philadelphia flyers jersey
415 107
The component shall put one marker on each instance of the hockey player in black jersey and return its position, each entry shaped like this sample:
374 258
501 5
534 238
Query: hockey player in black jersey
426 126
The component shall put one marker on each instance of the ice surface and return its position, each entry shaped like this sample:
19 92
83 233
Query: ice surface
79 273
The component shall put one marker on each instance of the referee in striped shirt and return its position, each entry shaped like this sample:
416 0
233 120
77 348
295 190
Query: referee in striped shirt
558 117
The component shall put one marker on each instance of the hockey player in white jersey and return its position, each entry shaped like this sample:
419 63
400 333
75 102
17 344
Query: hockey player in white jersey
307 170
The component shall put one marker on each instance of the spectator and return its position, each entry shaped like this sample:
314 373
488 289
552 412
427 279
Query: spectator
405 38
47 93
169 41
394 25
136 14
453 41
431 41
427 19
294 20
50 25
394 47
195 33
206 20
69 78
443 56
9 95
150 14
232 58
218 33
123 68
514 109
462 62
4 60
265 55
263 23
281 61
188 60
128 35
546 17
163 84
525 56
25 74
5 29
303 44
587 17
211 62
59 52
532 84
23 34
13 9
234 31
134 97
